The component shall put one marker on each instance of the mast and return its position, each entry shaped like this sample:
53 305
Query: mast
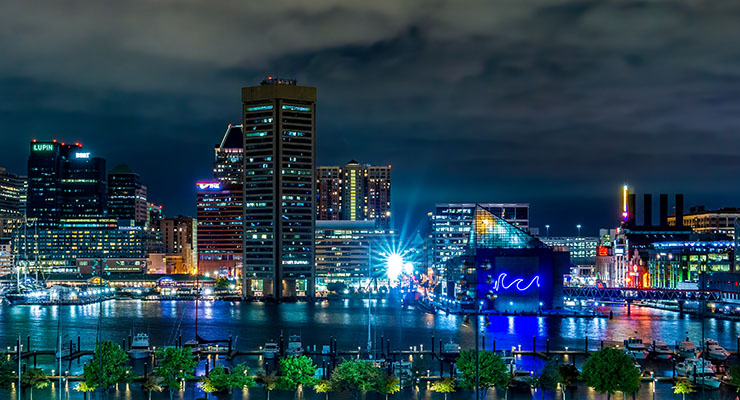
197 294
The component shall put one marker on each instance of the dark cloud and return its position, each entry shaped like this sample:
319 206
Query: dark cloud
556 102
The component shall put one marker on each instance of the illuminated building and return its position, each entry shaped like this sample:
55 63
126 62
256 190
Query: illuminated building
155 215
279 123
228 166
6 256
179 236
582 249
219 228
450 226
64 181
709 221
354 192
343 251
504 269
126 195
680 264
12 202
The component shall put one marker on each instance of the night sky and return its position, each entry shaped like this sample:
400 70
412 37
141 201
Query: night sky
556 103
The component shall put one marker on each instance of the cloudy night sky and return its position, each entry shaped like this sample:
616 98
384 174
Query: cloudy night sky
552 102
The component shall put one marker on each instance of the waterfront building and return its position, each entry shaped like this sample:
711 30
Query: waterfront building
354 192
12 202
451 222
179 237
127 196
503 268
6 256
64 181
680 264
582 249
131 280
279 123
346 250
228 167
700 220
219 228
90 265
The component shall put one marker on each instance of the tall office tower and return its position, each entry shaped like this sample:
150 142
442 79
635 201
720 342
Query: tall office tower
155 215
354 192
219 228
228 167
12 193
64 182
279 191
179 238
127 195
328 193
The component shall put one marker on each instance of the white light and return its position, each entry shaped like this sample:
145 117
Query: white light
394 266
408 268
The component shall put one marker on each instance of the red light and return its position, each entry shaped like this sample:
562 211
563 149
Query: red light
54 140
62 143
603 251
34 140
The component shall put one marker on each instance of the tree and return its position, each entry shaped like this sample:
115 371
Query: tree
151 384
111 371
610 370
7 374
356 377
683 387
34 378
389 384
175 366
222 283
323 386
269 382
296 373
492 371
82 387
222 380
446 385
548 378
735 376
567 375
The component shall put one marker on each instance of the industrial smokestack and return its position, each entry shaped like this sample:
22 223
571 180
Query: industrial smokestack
631 210
679 209
663 209
647 210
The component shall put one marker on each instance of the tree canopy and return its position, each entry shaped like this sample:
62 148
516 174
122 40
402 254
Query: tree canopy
296 372
34 378
111 371
356 377
610 370
492 369
222 380
7 374
175 365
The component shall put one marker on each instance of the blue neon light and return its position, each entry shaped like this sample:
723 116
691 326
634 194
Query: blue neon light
499 284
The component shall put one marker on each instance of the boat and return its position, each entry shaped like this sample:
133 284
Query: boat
717 352
635 348
509 360
687 366
706 379
450 350
140 347
270 350
294 346
687 349
661 351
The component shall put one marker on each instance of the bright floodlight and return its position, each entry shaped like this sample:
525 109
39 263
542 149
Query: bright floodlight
394 266
408 268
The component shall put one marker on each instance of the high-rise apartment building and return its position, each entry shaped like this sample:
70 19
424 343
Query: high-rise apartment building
451 222
354 192
219 228
228 167
64 182
179 236
279 124
126 195
12 202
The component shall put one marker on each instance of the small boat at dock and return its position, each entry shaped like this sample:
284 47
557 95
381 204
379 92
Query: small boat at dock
140 347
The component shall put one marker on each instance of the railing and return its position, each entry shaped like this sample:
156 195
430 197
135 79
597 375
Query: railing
596 293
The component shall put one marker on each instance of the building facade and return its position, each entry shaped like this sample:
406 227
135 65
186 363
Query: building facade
720 221
680 264
228 167
354 192
219 228
582 249
451 222
127 196
279 124
179 238
12 202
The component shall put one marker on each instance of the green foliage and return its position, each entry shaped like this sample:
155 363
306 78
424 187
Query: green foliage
548 378
322 386
34 378
610 370
175 365
83 387
222 283
296 372
492 370
446 385
389 384
356 377
269 382
735 376
113 369
7 374
221 380
683 386
151 384
568 374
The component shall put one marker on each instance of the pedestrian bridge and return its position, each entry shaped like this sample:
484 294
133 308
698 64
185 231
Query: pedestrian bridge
630 294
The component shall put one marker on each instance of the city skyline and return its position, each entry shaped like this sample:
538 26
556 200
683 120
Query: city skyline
647 124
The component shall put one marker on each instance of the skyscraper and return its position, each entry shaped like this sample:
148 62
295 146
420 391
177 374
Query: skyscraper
228 166
219 228
12 195
279 123
126 195
64 182
354 192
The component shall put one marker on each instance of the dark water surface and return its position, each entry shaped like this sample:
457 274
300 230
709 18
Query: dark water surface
253 324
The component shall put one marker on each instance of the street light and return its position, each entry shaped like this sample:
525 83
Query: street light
547 227
579 229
